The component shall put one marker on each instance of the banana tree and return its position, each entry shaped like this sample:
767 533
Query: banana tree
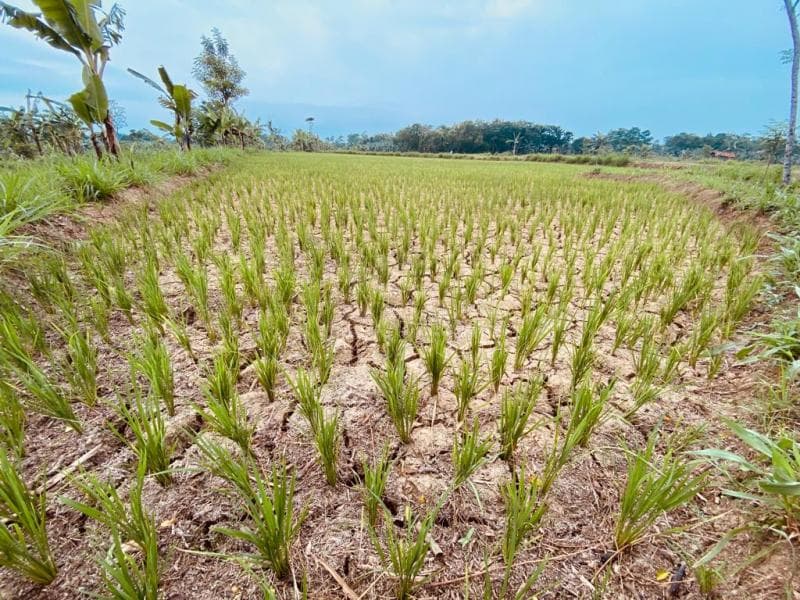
177 98
81 28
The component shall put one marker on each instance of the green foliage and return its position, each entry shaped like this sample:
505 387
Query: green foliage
467 386
44 397
327 440
88 181
776 482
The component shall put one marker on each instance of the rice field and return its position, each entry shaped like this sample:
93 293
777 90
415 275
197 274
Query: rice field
377 377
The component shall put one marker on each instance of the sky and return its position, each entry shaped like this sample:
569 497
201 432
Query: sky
377 65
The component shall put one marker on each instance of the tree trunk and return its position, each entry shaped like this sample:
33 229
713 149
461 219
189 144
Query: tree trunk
790 134
111 135
96 145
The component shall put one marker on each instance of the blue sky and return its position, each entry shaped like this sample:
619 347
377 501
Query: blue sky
376 65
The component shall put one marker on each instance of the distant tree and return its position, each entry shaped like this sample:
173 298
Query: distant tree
773 143
791 12
140 135
598 142
42 125
218 71
310 122
630 140
514 141
580 145
82 29
305 141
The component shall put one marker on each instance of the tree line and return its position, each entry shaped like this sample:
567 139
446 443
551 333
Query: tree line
524 137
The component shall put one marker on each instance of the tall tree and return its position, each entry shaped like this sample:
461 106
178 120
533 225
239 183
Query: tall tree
791 12
81 28
218 71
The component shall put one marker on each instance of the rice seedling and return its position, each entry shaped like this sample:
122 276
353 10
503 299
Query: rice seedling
124 578
469 454
364 294
154 363
82 367
466 387
12 421
222 377
586 411
322 358
434 356
497 363
233 305
475 343
404 555
24 546
145 421
228 418
516 408
154 305
219 461
402 398
376 307
653 488
524 511
43 396
375 476
266 368
307 392
533 330
275 524
327 439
